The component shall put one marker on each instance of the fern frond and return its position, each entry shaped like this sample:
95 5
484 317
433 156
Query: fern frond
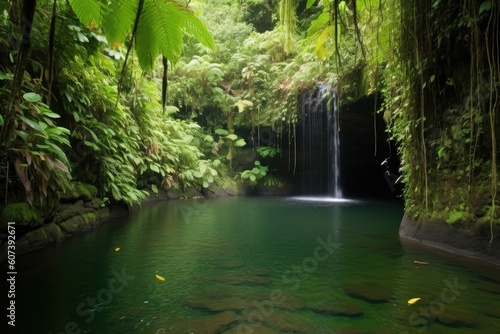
161 26
195 27
322 43
88 11
118 20
159 30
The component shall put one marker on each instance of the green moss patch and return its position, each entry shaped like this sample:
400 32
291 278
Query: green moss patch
22 214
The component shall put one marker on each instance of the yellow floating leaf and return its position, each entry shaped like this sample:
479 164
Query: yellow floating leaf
117 249
413 301
161 278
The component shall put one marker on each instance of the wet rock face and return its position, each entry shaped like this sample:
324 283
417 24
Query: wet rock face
372 293
457 239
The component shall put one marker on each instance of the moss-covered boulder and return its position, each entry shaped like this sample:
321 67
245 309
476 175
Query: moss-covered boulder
67 211
94 203
84 222
23 214
39 238
72 225
80 191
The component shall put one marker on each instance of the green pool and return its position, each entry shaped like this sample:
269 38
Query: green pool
254 265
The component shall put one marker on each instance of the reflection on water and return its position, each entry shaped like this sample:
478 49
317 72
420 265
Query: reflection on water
322 199
254 265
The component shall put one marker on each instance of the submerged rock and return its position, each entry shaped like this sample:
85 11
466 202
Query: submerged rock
489 287
280 300
349 310
235 302
260 272
495 313
455 318
246 328
350 331
212 324
243 280
373 293
276 319
343 331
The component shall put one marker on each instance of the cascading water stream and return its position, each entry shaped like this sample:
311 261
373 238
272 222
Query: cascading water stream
334 190
320 143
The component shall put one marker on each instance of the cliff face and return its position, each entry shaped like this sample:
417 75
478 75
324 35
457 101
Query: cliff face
442 102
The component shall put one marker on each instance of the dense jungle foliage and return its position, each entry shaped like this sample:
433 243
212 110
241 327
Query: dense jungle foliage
144 94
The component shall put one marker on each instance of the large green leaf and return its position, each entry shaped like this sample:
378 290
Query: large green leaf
118 20
197 29
89 11
161 26
310 3
319 24
160 30
146 43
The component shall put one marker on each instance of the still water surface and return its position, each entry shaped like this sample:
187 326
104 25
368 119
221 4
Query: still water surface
254 265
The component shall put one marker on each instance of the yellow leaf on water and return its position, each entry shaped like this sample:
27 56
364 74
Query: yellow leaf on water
413 301
161 278
117 249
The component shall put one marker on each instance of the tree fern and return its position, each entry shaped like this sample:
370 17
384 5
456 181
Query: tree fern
161 27
160 30
118 29
89 12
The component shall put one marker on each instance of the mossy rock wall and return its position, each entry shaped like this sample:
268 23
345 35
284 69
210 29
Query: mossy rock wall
25 216
79 211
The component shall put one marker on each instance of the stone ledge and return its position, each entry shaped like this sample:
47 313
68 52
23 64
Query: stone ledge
53 232
452 238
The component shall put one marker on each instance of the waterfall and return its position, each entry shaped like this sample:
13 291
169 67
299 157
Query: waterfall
320 152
